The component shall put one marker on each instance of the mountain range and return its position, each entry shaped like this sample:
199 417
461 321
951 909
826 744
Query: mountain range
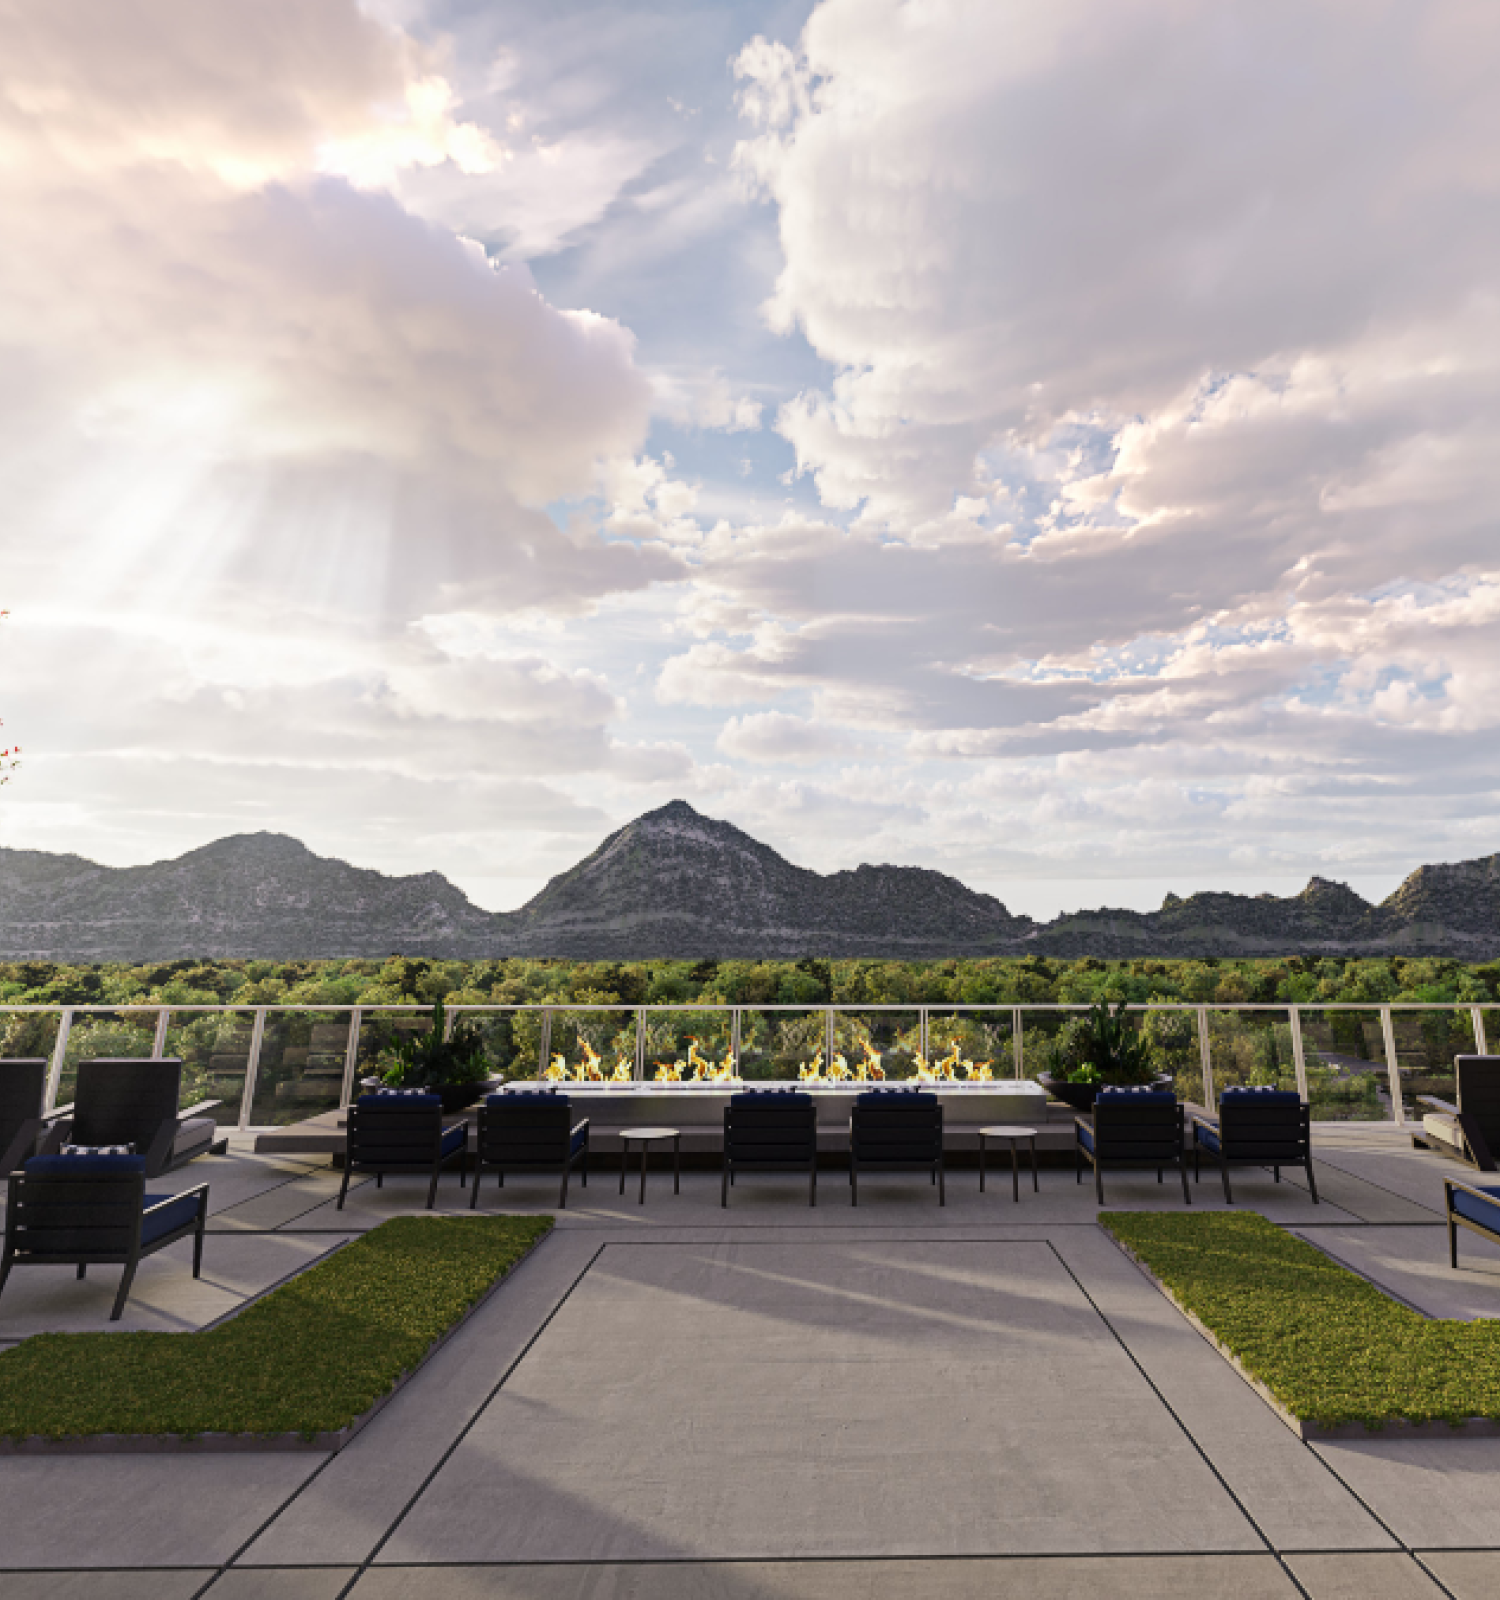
676 883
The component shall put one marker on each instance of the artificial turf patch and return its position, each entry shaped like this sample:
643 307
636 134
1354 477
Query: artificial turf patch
310 1357
1329 1346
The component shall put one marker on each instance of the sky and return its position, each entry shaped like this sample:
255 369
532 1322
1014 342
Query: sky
1054 445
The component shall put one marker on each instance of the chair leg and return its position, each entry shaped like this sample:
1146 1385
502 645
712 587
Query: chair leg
1077 1164
437 1167
478 1174
1452 1246
1224 1173
1197 1162
124 1294
812 1182
853 1183
198 1248
5 1266
1099 1182
1187 1194
1312 1182
344 1186
583 1168
82 1268
1158 1174
562 1199
942 1184
724 1185
380 1180
1276 1173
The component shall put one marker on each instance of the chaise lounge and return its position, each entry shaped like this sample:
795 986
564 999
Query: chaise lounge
132 1100
1469 1130
23 1090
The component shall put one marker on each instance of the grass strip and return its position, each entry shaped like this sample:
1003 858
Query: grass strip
1327 1344
310 1357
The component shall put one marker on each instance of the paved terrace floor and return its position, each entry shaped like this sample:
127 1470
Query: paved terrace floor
776 1402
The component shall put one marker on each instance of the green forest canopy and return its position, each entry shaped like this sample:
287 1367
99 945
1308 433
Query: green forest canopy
404 980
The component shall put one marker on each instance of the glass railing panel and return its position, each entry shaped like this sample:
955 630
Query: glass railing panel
1171 1037
1346 1068
28 1034
1251 1049
379 1033
685 1046
874 1046
966 1046
1041 1032
301 1070
214 1047
1426 1043
777 1045
596 1046
127 1032
496 1031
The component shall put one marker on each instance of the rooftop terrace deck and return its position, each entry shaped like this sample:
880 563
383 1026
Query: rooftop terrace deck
772 1401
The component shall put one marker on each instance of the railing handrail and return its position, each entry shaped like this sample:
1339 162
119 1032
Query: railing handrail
944 1006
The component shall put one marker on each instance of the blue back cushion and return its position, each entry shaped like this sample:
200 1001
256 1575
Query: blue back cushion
762 1097
399 1102
84 1166
898 1099
527 1094
1245 1093
1145 1097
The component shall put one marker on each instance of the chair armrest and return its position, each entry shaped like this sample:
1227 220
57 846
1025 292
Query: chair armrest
197 1109
57 1137
1437 1105
1081 1121
578 1127
21 1146
198 1189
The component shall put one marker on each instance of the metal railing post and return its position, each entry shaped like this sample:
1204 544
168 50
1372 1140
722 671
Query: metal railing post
546 1045
922 1033
252 1067
640 1044
159 1043
736 1034
1392 1067
1298 1057
828 1037
351 1058
448 1020
1017 1042
1205 1058
59 1056
1480 1048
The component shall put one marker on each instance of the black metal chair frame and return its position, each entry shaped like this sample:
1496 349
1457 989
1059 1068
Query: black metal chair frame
105 1208
1455 1222
1119 1115
1249 1136
410 1125
492 1137
23 1091
128 1100
911 1137
1476 1081
770 1137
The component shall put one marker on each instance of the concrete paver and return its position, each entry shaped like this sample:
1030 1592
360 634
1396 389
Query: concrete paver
1412 1264
835 1398
1467 1574
1431 1493
287 1583
1363 1577
142 1584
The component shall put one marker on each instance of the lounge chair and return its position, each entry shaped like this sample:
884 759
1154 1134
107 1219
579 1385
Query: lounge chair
770 1129
531 1132
1131 1128
400 1131
896 1130
1469 1130
133 1100
23 1088
1258 1128
1475 1206
93 1210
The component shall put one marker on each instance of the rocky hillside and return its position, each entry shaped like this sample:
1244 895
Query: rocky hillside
675 883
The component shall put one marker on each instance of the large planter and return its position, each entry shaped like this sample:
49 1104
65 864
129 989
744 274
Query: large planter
1081 1096
455 1096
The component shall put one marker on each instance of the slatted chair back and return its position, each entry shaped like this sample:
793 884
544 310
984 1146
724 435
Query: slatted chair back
1143 1128
125 1100
394 1132
23 1087
1275 1128
517 1130
896 1128
92 1213
771 1128
1478 1094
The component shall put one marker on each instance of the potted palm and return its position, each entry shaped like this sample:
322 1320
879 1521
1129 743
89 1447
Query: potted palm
452 1065
1097 1050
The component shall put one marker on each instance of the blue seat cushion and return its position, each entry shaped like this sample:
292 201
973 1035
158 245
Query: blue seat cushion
1208 1137
1085 1136
84 1166
1485 1212
455 1138
1261 1095
179 1211
399 1100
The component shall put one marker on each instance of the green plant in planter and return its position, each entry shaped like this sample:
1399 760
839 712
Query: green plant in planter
428 1059
1100 1047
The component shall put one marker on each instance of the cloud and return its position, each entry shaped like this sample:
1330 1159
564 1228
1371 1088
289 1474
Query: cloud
772 738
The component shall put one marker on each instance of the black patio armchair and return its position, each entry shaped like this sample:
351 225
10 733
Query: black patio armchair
531 1132
23 1089
1131 1128
896 1130
1256 1128
397 1132
1470 1129
93 1210
133 1100
770 1129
